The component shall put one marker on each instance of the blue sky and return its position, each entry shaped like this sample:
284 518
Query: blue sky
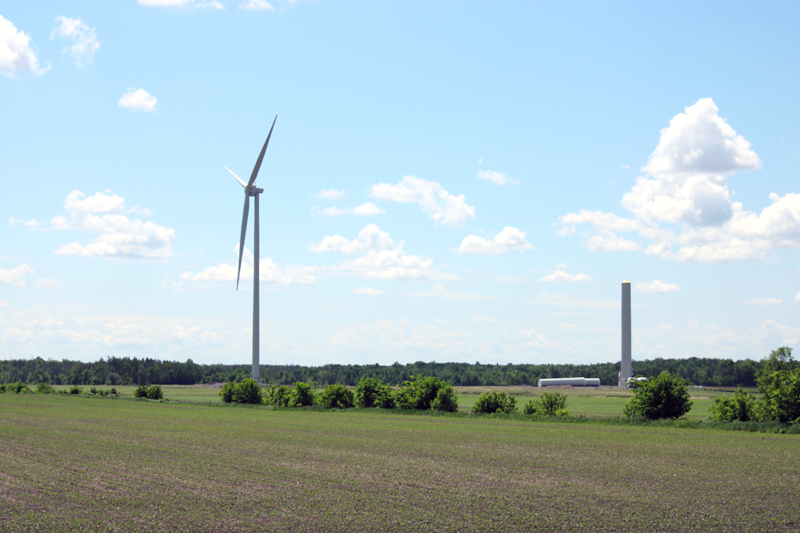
449 181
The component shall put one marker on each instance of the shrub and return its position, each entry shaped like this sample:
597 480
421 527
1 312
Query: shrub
563 412
19 388
445 399
302 395
77 390
113 391
387 398
154 392
742 407
44 388
781 400
336 397
248 391
548 404
277 396
226 392
2 389
665 396
140 392
493 402
93 390
371 392
420 393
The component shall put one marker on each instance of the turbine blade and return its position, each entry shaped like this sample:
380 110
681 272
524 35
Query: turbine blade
261 155
240 180
244 231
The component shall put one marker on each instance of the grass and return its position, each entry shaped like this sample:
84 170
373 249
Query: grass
95 464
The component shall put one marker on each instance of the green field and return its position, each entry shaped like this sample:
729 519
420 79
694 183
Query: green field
605 402
95 464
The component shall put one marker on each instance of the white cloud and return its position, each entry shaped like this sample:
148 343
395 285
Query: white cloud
210 4
765 302
655 286
368 291
16 54
561 275
269 271
15 277
384 257
84 39
497 177
439 204
509 279
255 4
367 210
565 300
484 319
435 292
508 239
683 206
331 194
138 100
47 283
364 210
797 297
666 326
119 236
369 238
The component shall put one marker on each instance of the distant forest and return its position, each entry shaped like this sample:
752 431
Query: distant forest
127 371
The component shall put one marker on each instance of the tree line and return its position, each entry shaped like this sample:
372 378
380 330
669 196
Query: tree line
146 371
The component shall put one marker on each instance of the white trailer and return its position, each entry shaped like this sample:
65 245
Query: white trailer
575 382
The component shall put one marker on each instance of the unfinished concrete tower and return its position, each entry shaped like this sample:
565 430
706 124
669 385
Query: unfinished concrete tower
626 370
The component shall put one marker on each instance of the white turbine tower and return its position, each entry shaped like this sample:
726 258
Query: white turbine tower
250 189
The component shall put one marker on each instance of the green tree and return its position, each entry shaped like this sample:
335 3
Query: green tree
742 407
248 391
336 397
302 395
494 402
420 393
368 391
445 399
664 396
277 396
154 392
548 404
226 392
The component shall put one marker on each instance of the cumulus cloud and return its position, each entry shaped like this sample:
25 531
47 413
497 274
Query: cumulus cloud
118 235
209 4
15 277
16 54
439 204
765 302
508 239
682 207
269 272
369 238
559 275
485 319
330 194
84 39
655 286
369 291
497 177
138 100
383 257
255 5
364 210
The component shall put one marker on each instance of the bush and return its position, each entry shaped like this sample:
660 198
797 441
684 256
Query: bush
445 399
154 392
113 391
2 389
781 400
741 407
19 388
548 404
302 395
420 393
44 388
140 392
248 391
371 392
77 390
493 402
277 396
336 397
665 396
226 392
93 391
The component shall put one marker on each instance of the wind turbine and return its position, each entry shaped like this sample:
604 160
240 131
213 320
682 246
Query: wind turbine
250 189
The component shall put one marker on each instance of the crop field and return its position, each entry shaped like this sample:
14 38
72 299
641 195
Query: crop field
96 464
